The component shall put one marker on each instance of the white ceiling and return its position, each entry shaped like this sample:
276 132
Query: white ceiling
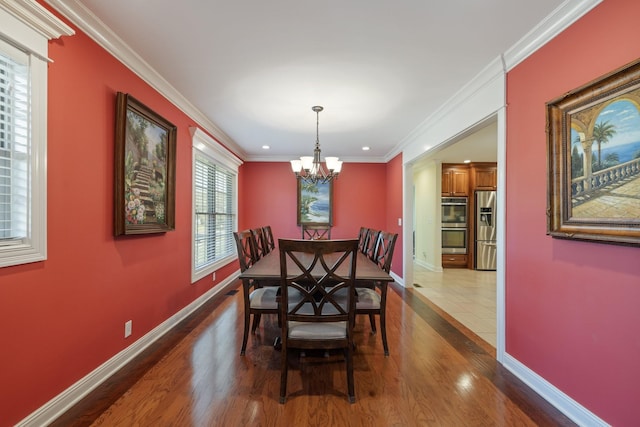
379 68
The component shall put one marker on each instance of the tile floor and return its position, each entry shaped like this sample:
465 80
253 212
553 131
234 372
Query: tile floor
469 296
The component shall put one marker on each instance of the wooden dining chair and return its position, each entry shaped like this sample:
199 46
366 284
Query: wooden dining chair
316 232
362 239
372 297
322 315
258 299
268 238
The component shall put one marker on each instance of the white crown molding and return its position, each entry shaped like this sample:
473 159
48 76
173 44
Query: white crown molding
38 18
53 409
569 407
90 24
556 22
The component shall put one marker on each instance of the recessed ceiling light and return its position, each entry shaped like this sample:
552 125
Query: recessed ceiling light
365 148
467 161
265 147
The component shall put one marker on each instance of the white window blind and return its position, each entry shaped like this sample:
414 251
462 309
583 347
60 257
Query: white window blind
214 212
15 194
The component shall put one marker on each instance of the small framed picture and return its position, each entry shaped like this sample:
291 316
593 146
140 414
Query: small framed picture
315 203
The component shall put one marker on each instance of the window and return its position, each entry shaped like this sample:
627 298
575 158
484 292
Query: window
215 201
14 144
26 29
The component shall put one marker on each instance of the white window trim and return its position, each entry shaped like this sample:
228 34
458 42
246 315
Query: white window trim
204 145
29 26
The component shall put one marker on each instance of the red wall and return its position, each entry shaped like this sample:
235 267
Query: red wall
571 307
268 195
62 318
365 194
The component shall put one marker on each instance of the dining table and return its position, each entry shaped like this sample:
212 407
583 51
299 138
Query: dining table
267 268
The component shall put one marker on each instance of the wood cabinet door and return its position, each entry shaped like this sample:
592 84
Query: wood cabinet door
460 183
447 182
486 179
455 181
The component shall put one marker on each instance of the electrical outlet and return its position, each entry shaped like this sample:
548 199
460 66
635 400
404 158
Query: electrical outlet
400 222
127 328
213 276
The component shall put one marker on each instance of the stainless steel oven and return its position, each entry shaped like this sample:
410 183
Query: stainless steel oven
454 240
454 212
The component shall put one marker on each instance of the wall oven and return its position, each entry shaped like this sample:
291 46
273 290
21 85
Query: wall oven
454 240
454 212
454 225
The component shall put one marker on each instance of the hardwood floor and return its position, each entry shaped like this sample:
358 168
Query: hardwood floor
436 375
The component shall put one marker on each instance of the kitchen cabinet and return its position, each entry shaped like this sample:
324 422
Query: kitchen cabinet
454 260
485 177
455 180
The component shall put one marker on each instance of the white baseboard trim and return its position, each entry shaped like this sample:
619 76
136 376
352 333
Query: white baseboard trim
399 280
569 407
429 266
57 406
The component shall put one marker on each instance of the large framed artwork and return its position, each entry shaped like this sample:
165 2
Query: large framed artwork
145 164
315 203
593 152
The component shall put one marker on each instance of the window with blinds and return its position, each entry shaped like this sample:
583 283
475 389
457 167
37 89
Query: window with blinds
215 205
14 146
214 212
24 40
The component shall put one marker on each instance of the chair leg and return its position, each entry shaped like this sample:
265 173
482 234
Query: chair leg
372 320
247 320
383 328
350 383
256 322
283 372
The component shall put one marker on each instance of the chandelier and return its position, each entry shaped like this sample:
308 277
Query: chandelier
309 169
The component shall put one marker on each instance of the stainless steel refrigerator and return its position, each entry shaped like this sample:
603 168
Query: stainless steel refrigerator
485 238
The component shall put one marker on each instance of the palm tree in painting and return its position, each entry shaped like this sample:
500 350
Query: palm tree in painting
602 133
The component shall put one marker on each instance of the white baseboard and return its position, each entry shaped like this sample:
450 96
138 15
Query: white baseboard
399 280
57 406
429 266
569 407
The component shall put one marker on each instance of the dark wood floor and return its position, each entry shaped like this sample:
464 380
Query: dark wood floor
438 374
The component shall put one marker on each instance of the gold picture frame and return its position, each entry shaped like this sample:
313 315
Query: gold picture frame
145 164
593 155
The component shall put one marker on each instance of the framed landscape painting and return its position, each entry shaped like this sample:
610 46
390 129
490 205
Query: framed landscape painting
145 162
315 203
593 151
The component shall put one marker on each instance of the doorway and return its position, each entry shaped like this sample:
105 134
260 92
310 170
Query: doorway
473 298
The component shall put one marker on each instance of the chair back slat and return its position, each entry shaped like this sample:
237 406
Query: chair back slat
322 275
268 238
372 240
245 245
316 232
383 252
362 239
260 242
